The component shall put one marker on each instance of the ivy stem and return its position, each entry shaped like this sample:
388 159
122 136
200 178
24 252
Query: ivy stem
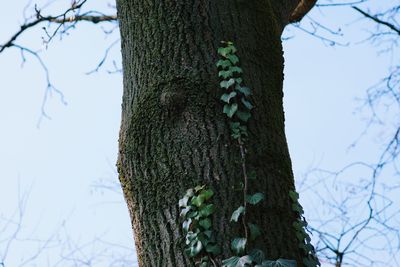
245 179
212 260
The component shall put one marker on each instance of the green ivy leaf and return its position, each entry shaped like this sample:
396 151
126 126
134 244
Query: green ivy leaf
224 51
254 199
194 250
233 58
239 80
296 207
183 201
300 235
207 210
255 231
238 245
257 255
227 97
199 187
235 126
185 211
236 214
205 223
225 73
246 103
243 115
198 200
245 261
227 83
186 225
203 239
294 196
208 233
230 110
192 214
279 263
236 69
244 90
191 236
231 262
207 194
224 63
214 249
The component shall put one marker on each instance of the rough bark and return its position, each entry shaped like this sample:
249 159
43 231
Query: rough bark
173 133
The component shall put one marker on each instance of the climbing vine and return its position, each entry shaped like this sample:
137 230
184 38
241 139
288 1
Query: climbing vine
196 210
300 225
196 206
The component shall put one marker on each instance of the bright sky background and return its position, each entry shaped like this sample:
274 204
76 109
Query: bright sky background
60 163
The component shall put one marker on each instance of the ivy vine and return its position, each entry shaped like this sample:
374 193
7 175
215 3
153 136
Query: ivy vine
197 208
304 240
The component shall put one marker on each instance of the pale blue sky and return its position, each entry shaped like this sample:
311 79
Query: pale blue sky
60 162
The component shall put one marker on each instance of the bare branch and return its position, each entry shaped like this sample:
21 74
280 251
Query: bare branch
378 20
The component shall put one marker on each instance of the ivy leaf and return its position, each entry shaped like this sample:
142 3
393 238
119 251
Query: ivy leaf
198 200
190 236
224 63
214 249
244 90
207 194
233 58
243 115
207 210
205 223
238 245
232 47
183 201
279 263
193 214
245 260
227 97
294 196
238 80
194 250
227 83
257 255
231 262
296 207
225 73
255 231
199 187
236 214
246 103
184 211
230 110
254 199
224 51
236 69
186 224
208 233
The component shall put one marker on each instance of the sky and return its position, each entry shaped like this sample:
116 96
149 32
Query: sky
61 172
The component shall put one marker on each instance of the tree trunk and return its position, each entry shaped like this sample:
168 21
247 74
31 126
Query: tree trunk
174 135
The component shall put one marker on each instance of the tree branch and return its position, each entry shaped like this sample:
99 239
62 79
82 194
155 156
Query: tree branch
378 20
59 19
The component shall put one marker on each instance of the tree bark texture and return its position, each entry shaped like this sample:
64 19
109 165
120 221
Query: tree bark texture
174 135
